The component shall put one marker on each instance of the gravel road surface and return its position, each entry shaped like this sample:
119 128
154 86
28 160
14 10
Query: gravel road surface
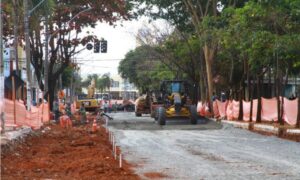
207 150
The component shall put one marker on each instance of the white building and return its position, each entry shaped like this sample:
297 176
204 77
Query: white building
121 88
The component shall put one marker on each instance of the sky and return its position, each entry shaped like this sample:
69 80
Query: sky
121 39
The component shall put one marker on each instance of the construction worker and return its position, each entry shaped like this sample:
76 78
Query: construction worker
82 113
68 110
65 121
115 106
105 107
56 110
100 114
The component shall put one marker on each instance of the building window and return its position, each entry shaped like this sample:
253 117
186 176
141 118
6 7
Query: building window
115 84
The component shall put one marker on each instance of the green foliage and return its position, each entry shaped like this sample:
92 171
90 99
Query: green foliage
142 69
66 77
102 81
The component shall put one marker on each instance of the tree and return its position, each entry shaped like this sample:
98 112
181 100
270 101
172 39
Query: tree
192 13
265 34
67 21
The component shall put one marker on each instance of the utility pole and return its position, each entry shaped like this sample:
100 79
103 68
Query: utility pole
27 50
1 70
46 69
15 17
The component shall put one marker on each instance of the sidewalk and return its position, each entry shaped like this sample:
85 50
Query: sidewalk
270 129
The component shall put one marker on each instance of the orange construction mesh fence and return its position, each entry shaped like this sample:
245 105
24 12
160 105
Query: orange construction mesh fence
203 109
230 110
222 108
290 111
17 115
235 109
216 110
269 109
246 110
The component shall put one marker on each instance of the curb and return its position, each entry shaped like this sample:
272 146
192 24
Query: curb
266 128
243 125
293 131
262 127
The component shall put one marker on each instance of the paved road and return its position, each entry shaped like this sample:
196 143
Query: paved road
204 151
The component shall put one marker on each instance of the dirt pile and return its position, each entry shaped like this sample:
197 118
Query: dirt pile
64 154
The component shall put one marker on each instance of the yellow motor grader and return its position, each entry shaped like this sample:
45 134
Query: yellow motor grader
174 102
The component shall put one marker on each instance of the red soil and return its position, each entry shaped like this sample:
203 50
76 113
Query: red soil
154 175
64 154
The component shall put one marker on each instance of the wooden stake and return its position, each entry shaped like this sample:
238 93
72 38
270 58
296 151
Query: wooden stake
115 151
14 99
110 138
106 124
48 98
120 160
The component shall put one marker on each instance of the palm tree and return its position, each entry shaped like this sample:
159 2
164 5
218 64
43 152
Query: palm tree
106 81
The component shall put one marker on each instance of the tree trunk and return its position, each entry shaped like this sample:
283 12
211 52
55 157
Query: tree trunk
258 115
298 114
51 90
241 98
281 121
16 25
209 56
241 111
269 84
251 94
202 82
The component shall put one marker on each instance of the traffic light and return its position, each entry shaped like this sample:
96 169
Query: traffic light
96 47
104 46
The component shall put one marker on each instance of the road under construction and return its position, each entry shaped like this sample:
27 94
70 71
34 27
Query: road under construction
178 150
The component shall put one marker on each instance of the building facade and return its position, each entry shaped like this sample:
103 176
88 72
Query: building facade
121 88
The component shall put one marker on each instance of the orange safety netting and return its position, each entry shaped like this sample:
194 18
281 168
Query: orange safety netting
229 111
290 111
269 109
17 115
216 110
235 109
201 108
9 112
246 110
222 108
